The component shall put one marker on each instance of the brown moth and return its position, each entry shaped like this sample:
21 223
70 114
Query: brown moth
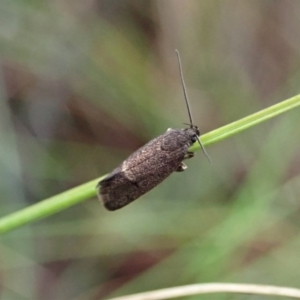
151 164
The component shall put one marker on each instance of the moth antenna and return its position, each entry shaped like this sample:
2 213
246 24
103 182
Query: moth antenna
187 103
204 151
184 88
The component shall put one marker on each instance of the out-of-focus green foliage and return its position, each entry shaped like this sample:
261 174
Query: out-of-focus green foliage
84 83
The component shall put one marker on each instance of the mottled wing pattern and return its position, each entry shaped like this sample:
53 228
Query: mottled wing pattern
115 190
144 169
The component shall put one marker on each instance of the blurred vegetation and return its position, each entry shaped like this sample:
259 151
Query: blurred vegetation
85 83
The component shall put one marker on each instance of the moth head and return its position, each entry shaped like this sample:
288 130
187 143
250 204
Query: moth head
193 133
196 130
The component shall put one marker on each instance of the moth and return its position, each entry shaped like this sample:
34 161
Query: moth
151 164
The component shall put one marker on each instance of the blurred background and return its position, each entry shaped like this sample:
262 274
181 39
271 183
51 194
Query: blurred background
85 83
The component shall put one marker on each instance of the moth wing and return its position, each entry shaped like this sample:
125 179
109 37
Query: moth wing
142 170
116 191
163 150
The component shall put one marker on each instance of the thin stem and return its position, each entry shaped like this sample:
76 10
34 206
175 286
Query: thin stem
48 206
247 122
208 288
85 191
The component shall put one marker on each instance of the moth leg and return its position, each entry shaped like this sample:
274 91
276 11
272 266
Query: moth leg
182 167
189 155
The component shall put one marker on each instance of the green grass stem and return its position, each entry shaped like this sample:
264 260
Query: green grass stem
247 122
85 191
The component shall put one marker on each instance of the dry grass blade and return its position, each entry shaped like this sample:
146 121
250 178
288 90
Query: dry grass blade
208 288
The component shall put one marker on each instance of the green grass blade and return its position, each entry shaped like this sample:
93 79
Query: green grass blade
48 206
85 191
247 122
